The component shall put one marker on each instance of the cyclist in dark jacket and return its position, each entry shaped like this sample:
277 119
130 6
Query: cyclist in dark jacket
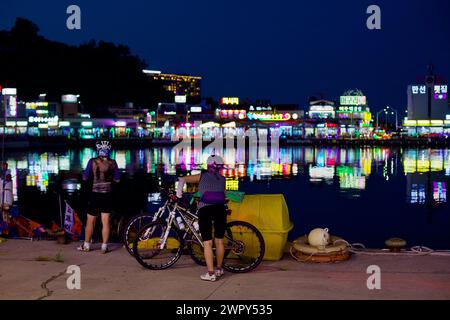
104 171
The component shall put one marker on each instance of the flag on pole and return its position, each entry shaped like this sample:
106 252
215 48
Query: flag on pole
72 224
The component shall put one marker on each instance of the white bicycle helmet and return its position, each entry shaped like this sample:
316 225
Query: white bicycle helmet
103 148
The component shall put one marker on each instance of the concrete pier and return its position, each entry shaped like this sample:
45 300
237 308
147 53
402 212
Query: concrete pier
117 275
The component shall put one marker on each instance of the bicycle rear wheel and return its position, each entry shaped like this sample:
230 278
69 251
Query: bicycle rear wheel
146 246
132 228
246 247
196 249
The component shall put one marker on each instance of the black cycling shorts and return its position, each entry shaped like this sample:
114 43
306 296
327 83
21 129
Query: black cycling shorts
212 215
99 203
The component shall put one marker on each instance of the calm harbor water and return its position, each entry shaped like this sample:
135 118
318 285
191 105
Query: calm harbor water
362 194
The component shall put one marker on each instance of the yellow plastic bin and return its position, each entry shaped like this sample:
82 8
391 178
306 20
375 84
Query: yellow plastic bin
270 215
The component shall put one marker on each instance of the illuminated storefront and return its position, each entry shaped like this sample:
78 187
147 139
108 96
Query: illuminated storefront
231 114
273 116
82 128
427 127
354 116
322 109
327 130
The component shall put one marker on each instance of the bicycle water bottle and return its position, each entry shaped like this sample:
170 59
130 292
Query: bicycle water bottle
180 223
196 226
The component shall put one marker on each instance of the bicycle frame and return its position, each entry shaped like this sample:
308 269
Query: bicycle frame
160 211
184 213
187 216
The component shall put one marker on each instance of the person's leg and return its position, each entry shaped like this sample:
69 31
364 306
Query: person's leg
220 252
220 224
105 230
209 255
90 224
205 224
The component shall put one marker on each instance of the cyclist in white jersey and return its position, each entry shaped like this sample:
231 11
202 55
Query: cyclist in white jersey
211 213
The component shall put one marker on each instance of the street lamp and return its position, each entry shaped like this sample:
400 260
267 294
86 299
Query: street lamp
384 110
396 118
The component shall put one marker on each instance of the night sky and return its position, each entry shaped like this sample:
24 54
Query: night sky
283 51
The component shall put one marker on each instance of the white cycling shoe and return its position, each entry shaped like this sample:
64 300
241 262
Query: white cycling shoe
208 277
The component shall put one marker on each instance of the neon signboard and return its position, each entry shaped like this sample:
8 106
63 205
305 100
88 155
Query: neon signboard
232 100
42 119
34 105
425 123
269 116
196 109
120 124
353 100
180 99
233 114
9 91
351 109
419 89
252 108
69 98
321 108
440 92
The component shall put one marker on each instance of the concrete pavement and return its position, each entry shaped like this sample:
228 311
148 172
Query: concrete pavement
118 276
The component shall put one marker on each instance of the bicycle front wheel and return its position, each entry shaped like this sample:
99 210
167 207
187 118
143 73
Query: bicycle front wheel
245 248
132 228
148 249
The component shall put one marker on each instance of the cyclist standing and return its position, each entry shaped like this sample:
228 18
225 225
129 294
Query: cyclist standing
211 212
104 172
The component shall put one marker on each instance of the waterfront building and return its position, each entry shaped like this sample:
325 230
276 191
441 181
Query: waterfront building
9 102
321 120
354 116
69 106
428 107
73 128
177 85
321 109
262 118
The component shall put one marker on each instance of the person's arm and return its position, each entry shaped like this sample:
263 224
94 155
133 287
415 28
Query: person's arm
87 171
116 172
187 179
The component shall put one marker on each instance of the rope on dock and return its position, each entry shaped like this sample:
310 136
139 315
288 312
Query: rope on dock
359 248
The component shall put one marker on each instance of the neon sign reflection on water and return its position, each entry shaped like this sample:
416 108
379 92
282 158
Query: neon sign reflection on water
352 167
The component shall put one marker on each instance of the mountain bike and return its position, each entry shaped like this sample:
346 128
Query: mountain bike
160 244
